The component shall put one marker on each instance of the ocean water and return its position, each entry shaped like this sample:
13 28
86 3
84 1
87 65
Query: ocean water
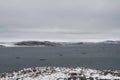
98 56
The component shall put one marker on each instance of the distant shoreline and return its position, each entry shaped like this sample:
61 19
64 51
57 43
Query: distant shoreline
49 43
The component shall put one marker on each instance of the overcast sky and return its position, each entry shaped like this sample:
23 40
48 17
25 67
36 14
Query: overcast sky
59 20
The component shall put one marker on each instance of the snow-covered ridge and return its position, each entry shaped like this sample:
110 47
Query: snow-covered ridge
60 73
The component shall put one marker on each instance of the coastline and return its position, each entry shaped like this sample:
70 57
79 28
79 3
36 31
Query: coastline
60 73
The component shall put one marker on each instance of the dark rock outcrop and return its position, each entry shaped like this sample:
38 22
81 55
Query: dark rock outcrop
18 57
43 59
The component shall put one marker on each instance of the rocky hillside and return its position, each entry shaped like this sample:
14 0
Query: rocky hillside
60 73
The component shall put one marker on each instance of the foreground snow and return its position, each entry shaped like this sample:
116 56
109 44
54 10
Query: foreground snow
60 73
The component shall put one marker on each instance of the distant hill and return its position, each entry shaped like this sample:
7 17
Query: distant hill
37 43
111 42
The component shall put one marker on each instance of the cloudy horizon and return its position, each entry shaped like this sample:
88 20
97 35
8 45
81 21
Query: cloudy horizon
59 20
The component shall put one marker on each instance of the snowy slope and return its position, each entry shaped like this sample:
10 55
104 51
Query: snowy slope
60 73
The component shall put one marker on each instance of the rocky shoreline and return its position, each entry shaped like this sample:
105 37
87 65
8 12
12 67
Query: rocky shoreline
61 73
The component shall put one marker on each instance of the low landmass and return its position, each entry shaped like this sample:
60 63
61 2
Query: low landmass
111 42
49 43
37 43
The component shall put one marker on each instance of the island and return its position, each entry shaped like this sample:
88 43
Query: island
37 43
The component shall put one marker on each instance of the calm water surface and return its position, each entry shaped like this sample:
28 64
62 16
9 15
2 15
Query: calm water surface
99 56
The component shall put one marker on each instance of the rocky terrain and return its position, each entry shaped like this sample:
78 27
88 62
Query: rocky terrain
37 43
60 73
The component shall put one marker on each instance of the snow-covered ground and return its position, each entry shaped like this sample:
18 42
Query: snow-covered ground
7 44
60 73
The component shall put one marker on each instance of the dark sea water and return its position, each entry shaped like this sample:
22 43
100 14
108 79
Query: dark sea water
98 56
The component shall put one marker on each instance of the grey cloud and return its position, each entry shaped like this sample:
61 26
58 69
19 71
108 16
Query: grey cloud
60 19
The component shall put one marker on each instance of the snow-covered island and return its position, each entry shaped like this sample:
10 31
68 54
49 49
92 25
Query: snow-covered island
61 73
